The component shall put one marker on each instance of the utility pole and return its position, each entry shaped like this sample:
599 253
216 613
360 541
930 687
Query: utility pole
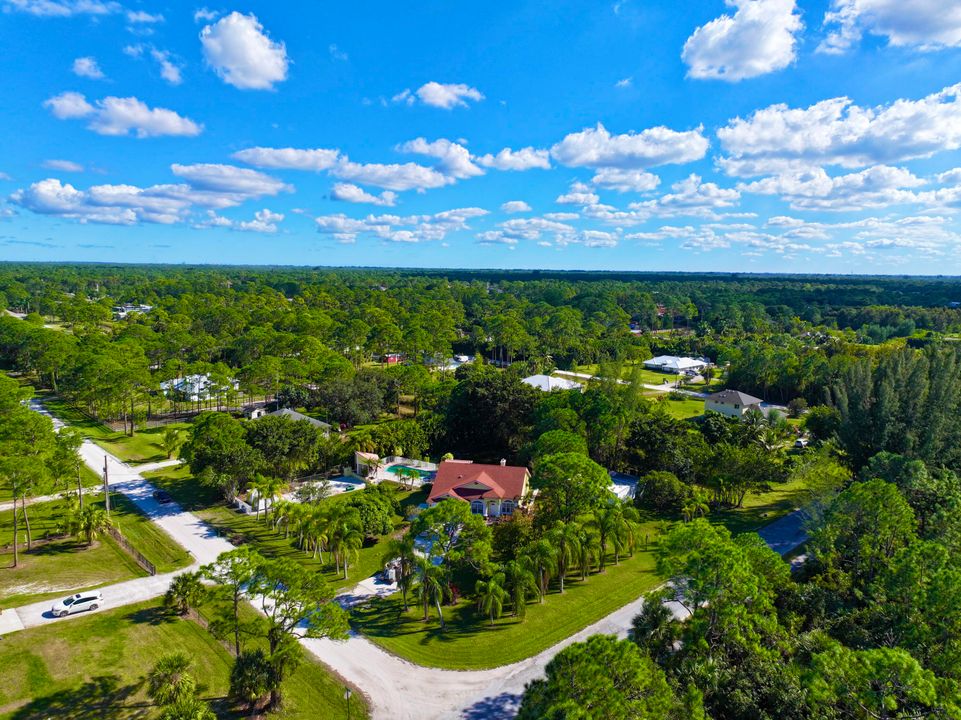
347 695
106 486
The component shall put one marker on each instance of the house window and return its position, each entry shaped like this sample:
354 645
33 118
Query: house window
507 508
737 407
477 507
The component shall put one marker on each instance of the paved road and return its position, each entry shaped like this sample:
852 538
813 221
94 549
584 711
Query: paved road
395 688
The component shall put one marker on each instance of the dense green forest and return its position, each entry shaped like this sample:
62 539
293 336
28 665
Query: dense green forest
869 370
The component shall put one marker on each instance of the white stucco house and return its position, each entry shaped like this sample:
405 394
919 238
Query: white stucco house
546 383
676 365
732 403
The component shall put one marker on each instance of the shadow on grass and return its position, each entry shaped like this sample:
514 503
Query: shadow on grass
101 698
156 615
385 617
60 547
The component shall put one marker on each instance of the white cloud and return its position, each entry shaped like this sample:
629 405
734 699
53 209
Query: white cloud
579 194
561 216
596 147
447 96
523 159
229 179
5 176
316 159
63 165
510 232
690 197
69 105
838 132
624 82
395 176
454 159
265 221
515 206
169 70
396 228
141 17
87 67
625 180
337 54
758 39
62 8
927 24
351 193
878 186
205 15
121 116
239 51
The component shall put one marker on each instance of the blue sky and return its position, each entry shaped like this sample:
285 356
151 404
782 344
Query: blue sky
752 135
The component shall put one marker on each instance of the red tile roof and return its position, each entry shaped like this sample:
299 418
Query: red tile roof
504 482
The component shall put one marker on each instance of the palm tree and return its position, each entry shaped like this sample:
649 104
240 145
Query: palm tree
609 522
92 521
491 595
170 440
267 489
543 558
404 550
316 531
589 551
566 537
695 505
188 708
185 591
521 583
346 535
170 681
431 586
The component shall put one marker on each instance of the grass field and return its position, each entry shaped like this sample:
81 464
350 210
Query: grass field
470 642
93 668
689 407
142 447
62 566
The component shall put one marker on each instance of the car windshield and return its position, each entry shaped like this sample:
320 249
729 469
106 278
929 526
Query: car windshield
69 601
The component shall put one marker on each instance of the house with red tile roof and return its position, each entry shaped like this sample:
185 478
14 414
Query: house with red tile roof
492 490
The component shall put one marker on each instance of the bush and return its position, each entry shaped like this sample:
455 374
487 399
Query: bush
796 407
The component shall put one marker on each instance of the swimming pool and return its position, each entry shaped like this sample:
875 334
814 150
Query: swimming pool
423 474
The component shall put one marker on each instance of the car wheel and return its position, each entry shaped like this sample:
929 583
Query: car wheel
94 606
63 613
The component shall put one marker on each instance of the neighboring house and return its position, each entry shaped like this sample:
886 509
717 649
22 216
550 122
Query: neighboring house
193 387
492 490
732 403
120 312
676 365
450 364
296 416
548 383
392 358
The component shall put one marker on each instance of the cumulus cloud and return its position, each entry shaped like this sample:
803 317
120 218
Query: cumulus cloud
454 159
229 179
523 159
510 232
265 221
316 159
122 116
691 197
392 176
875 187
87 67
205 15
447 96
396 228
758 39
926 24
241 53
596 147
62 8
351 193
838 132
515 206
63 165
143 18
624 82
579 194
169 70
625 180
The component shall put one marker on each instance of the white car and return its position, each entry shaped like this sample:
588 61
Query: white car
77 603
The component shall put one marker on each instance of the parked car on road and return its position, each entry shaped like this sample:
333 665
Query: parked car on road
77 603
162 497
801 443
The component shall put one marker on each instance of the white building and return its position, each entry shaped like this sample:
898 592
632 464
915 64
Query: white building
676 365
547 383
732 403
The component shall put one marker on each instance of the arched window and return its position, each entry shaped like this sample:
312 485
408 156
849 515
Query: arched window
477 507
507 507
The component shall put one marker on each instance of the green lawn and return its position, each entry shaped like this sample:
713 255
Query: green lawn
142 447
183 488
470 642
65 565
93 668
689 407
762 509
